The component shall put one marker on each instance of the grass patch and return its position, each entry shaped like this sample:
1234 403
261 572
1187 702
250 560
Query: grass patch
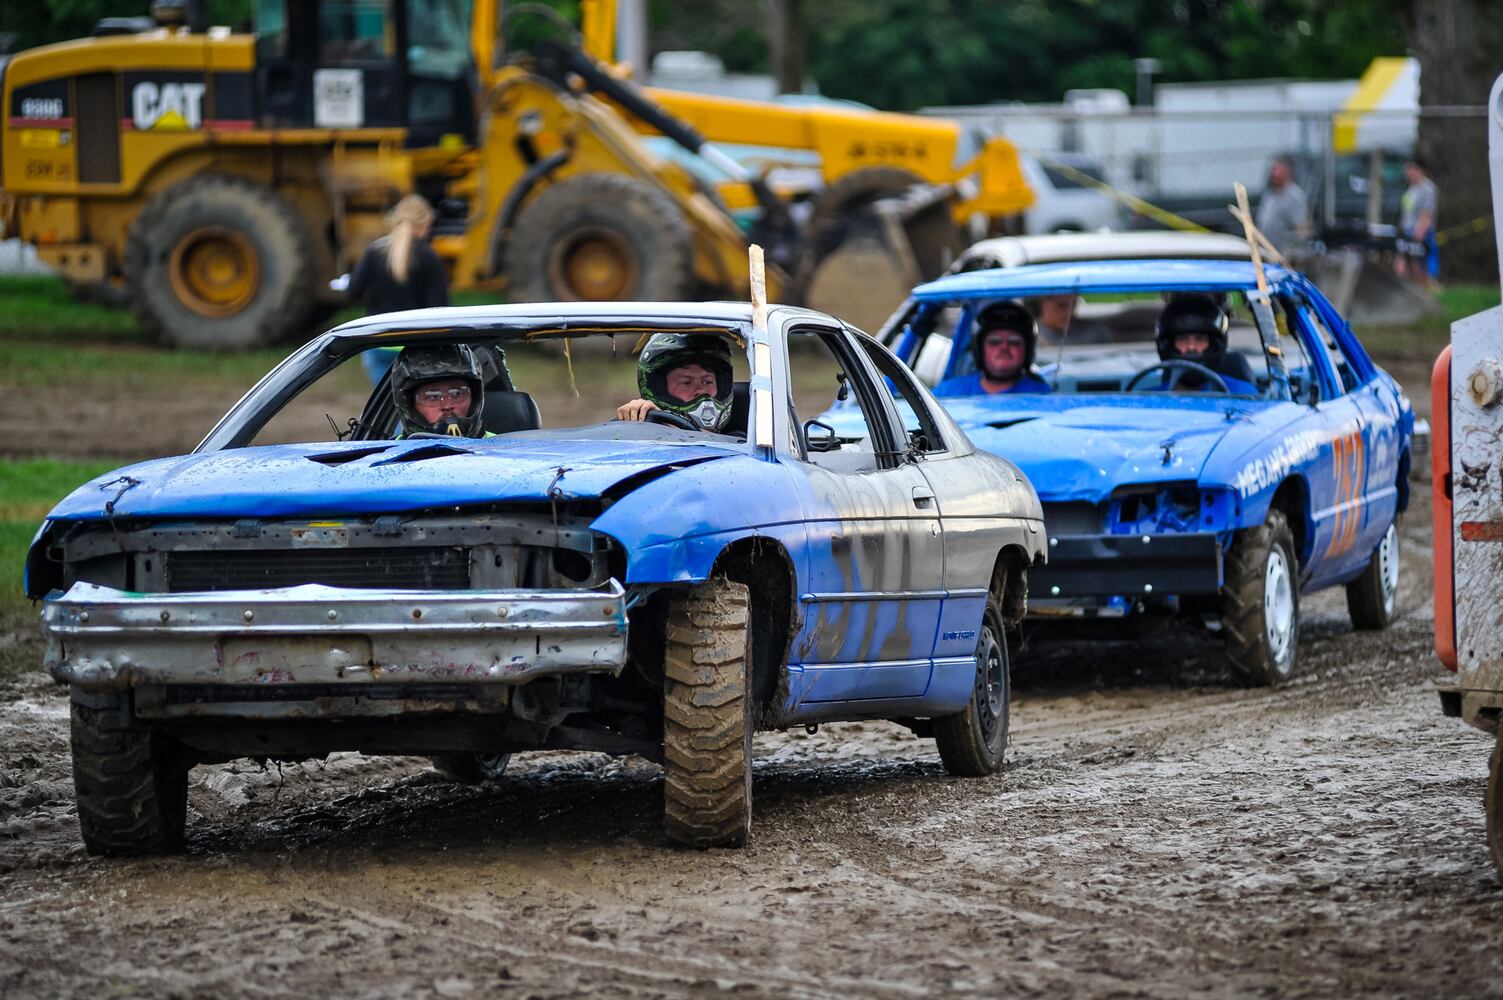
28 490
38 305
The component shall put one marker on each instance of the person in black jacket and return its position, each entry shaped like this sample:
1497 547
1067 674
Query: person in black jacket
399 271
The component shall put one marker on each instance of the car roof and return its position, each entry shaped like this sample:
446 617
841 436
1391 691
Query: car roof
1102 276
1014 251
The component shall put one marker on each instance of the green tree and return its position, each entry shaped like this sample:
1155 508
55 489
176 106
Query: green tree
40 22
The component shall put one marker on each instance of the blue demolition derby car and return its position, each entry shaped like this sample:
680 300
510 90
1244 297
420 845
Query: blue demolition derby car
611 528
1201 447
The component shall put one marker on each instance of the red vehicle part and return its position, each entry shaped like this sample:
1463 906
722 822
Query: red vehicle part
1440 495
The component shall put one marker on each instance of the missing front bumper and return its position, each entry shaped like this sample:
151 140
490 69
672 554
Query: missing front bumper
1131 566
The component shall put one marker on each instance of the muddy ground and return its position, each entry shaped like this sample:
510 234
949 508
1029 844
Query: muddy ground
1157 832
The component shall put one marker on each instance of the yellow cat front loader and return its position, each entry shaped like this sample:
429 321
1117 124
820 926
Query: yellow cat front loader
219 181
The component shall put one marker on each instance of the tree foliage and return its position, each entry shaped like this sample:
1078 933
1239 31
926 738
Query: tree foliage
38 22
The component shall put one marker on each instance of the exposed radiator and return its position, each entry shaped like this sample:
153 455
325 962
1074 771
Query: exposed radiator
422 568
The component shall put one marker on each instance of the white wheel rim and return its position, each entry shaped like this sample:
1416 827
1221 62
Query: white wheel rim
1278 606
1388 568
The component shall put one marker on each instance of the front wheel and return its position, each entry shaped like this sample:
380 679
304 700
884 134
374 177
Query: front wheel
707 716
1260 603
1372 598
131 782
972 742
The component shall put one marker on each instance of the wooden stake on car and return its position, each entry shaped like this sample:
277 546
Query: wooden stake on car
758 281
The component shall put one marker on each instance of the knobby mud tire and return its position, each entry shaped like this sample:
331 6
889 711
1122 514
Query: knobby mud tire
131 782
707 716
627 217
1244 604
249 216
972 743
1371 600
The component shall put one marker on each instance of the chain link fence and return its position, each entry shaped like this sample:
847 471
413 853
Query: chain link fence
1154 168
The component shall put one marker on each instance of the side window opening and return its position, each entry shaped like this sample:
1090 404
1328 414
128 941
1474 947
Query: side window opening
1304 374
840 438
1344 369
923 434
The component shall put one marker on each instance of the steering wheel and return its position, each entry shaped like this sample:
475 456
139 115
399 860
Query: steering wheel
1177 371
670 419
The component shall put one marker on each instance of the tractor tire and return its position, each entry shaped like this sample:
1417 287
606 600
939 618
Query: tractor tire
130 781
849 268
707 716
220 263
1260 603
471 768
972 742
1372 598
600 237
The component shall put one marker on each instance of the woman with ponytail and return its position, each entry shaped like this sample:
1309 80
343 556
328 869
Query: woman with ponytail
399 271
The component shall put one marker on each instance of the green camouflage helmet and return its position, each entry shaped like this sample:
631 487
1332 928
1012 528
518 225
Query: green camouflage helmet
667 351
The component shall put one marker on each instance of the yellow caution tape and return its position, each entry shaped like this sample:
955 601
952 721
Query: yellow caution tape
1480 224
1132 201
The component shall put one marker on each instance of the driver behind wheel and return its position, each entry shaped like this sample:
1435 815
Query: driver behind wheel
438 389
1003 346
687 374
1193 327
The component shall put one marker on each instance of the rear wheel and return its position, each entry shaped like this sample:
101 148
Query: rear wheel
600 237
1372 598
1260 603
219 262
707 716
972 742
131 782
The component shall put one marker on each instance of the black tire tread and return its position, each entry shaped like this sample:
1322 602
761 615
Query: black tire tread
131 785
280 311
962 747
1364 597
1493 804
707 717
1242 601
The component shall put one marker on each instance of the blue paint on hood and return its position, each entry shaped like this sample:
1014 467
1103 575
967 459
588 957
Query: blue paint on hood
367 477
1081 447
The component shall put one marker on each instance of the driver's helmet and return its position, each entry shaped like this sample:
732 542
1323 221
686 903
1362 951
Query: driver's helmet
665 352
1005 315
1192 313
424 363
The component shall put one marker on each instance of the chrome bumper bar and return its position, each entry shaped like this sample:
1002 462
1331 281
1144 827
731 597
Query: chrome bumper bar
101 638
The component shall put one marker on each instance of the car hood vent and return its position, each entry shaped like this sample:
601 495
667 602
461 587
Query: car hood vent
345 457
423 454
999 424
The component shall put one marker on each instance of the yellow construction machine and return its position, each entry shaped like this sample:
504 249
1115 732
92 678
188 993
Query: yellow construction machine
220 181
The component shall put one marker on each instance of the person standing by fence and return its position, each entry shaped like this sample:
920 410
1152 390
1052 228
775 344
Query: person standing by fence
1418 253
399 271
1283 211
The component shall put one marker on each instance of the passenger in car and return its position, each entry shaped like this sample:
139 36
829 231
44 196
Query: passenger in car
1193 327
438 389
685 374
1004 345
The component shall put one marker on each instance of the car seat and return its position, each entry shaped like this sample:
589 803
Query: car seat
740 407
508 410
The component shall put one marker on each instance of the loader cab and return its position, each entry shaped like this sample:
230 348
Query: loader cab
351 64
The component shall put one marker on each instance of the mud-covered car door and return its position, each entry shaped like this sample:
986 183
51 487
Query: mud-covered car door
874 587
980 505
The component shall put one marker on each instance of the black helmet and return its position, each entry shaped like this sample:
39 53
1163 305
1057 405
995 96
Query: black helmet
423 363
1192 313
667 351
1005 315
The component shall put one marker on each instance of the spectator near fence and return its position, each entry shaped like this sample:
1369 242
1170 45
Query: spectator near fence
1283 211
1418 253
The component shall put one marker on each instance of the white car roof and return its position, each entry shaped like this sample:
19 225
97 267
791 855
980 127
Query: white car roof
1015 251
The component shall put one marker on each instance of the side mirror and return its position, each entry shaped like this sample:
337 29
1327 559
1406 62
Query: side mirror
823 442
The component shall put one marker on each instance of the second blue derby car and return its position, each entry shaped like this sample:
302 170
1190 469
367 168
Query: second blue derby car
1201 447
613 528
